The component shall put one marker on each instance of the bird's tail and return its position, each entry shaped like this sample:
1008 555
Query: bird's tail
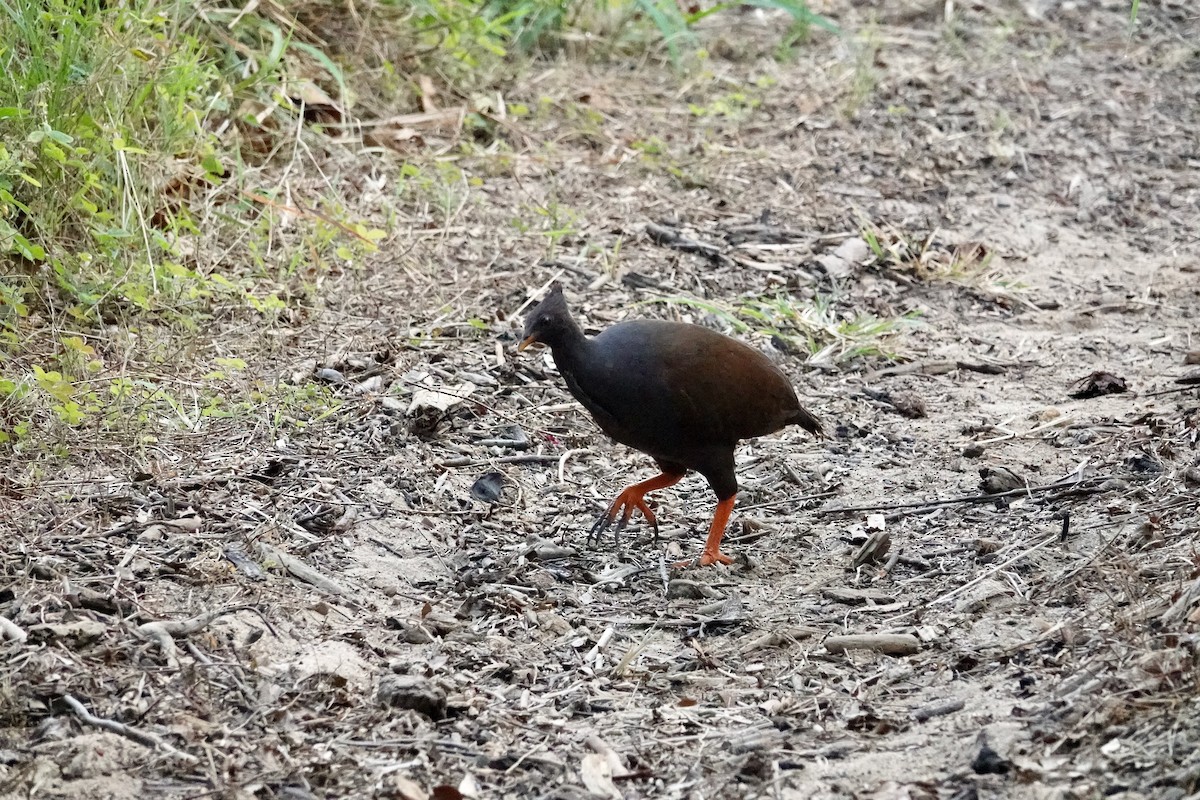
804 418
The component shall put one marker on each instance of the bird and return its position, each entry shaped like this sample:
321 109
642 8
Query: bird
683 394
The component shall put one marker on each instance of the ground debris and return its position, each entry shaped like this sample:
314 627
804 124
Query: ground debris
420 642
1098 384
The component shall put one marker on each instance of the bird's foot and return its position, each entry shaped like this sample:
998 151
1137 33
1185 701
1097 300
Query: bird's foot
624 504
714 557
706 559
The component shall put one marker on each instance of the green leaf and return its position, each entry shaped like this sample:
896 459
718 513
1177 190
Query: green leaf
78 345
54 152
70 413
212 165
60 137
121 146
28 249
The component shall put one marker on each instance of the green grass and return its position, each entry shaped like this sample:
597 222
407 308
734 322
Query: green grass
927 258
109 167
816 328
146 209
471 31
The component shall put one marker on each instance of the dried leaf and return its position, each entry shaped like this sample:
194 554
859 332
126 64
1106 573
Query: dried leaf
597 776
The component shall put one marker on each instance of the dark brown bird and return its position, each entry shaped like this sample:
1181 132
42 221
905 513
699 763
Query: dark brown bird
682 394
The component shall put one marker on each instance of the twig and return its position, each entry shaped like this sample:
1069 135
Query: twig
467 461
120 728
1076 483
972 583
938 709
1161 392
163 632
936 368
804 498
299 569
1057 422
535 293
202 657
562 462
1179 607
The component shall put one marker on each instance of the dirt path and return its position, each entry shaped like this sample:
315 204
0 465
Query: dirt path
1036 182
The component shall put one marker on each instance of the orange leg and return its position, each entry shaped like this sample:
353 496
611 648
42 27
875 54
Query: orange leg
630 499
712 548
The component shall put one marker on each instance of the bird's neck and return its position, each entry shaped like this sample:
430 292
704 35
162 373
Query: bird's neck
570 347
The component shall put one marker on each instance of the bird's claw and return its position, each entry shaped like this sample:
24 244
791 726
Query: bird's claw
714 557
625 505
706 559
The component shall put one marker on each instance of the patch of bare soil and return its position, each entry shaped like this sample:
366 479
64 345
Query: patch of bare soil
362 611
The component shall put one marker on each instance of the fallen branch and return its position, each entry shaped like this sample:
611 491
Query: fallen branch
939 367
938 709
975 581
467 461
163 632
804 498
668 237
120 728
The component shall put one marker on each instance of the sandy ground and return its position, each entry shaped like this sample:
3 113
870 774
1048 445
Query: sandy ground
1031 175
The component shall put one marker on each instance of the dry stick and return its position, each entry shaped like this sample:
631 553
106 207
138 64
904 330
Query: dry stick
466 399
971 583
536 292
202 657
1167 391
938 709
141 737
562 462
162 633
1095 555
466 461
892 644
969 498
801 499
300 569
1057 422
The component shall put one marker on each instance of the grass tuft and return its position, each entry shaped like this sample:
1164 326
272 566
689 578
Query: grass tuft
925 258
816 328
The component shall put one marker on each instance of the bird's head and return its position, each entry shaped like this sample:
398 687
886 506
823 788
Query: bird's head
548 321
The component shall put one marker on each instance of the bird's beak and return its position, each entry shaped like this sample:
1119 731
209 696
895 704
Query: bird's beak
528 340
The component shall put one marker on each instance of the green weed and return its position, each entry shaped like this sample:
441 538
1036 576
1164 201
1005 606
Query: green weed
477 33
817 328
